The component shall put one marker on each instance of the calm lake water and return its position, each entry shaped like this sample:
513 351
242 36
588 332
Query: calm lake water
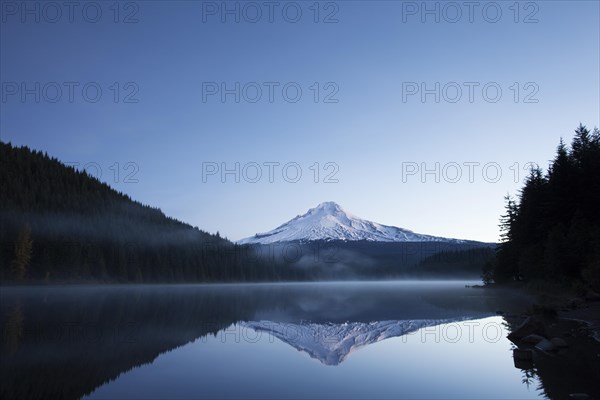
308 340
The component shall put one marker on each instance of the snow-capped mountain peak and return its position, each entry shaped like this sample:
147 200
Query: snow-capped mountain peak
328 221
328 207
328 213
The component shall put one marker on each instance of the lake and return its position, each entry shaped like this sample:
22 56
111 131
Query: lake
330 340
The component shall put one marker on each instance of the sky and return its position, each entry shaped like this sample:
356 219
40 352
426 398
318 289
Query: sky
237 116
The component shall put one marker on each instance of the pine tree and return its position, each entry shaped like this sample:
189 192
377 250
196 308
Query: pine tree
507 221
504 268
23 252
581 143
562 185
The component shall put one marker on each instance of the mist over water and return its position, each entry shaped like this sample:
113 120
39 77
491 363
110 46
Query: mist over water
327 339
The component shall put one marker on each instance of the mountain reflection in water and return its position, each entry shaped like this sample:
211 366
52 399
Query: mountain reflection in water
65 342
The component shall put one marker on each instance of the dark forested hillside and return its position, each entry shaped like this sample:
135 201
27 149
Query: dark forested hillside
456 263
60 223
552 231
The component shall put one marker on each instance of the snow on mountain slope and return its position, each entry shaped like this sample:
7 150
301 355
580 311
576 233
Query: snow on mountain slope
328 221
333 343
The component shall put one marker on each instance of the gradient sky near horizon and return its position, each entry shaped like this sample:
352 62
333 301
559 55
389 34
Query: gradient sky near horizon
355 63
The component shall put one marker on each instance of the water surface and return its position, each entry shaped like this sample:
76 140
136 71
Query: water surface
402 339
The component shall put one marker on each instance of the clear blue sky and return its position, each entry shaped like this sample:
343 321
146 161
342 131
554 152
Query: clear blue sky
371 56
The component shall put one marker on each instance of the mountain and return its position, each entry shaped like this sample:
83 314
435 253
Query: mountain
328 222
331 343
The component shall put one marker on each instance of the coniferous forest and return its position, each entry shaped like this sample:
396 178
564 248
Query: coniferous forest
58 223
551 232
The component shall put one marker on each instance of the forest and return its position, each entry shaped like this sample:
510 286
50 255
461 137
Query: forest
551 231
61 224
455 264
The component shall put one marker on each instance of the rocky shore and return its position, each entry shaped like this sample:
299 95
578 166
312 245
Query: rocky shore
558 339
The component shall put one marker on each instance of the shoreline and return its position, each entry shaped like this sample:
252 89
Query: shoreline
556 304
557 338
589 315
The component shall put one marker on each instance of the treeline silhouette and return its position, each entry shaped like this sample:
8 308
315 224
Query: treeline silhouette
58 223
552 231
367 260
456 263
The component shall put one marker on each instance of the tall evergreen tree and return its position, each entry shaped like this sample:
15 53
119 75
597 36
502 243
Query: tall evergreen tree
23 251
581 143
506 264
